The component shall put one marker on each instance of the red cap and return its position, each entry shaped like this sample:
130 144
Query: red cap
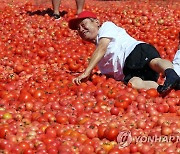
73 23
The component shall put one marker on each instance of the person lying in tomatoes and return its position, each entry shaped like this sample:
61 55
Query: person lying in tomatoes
122 57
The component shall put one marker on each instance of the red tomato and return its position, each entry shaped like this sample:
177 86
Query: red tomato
73 66
50 131
101 131
61 119
39 94
122 101
152 93
114 111
133 148
24 145
3 131
25 96
91 132
121 104
112 93
111 133
166 130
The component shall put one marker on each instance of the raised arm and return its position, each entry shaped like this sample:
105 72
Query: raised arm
95 58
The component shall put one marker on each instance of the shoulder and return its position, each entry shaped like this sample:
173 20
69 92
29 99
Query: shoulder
111 27
108 27
108 24
178 53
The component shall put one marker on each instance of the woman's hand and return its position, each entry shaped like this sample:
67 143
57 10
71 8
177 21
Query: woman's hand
80 78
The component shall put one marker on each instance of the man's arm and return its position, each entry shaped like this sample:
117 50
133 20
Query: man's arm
98 54
95 58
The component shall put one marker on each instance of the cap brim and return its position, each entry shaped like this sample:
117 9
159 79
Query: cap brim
73 23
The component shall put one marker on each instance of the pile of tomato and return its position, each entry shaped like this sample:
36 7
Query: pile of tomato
42 111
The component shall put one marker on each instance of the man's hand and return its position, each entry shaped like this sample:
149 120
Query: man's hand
79 79
95 58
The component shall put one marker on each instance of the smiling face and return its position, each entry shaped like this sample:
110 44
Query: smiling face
88 29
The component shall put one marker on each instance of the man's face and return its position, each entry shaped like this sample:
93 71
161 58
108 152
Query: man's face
88 29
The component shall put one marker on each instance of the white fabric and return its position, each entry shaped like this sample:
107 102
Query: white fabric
121 45
176 62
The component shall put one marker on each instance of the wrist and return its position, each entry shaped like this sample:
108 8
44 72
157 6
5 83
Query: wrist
87 72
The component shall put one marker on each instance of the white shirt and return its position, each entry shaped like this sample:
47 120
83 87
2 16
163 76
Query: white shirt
119 48
176 62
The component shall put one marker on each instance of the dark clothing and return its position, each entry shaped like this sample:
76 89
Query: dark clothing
137 63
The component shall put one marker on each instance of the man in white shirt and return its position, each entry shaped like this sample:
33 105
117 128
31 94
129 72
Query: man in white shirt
122 57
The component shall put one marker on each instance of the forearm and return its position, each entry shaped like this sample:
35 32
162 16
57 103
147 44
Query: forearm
96 57
98 54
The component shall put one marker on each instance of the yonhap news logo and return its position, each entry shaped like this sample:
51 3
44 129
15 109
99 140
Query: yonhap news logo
125 138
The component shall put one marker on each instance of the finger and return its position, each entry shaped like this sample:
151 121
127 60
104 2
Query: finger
79 81
76 81
73 80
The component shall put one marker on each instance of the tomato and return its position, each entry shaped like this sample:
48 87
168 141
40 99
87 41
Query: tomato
122 102
25 96
141 124
160 108
112 93
91 133
133 148
24 145
82 138
87 149
166 130
17 149
50 131
114 111
7 116
48 115
73 66
42 53
29 106
152 93
119 150
101 131
52 150
79 108
61 119
39 94
3 131
96 109
107 146
111 133
83 120
172 109
72 120
146 148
